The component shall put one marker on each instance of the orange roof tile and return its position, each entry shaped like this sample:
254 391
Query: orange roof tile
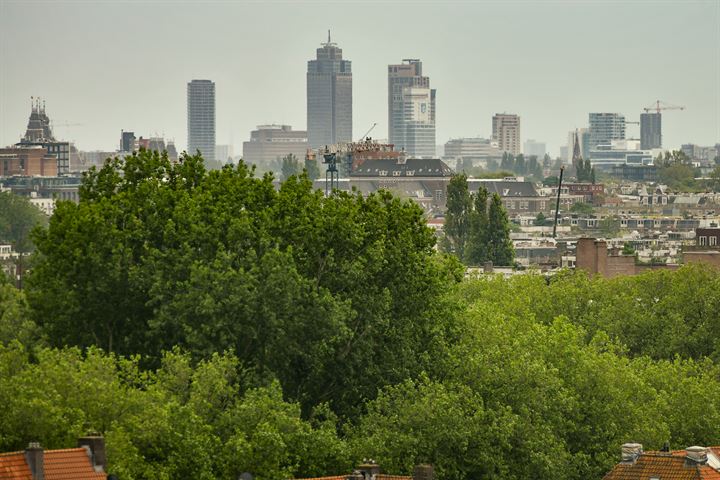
340 477
13 467
666 466
68 464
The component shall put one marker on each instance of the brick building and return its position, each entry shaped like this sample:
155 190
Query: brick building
707 237
27 162
593 193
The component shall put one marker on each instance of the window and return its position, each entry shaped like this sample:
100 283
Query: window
713 241
703 240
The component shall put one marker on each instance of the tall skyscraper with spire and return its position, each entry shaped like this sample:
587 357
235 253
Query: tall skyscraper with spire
411 109
329 97
201 118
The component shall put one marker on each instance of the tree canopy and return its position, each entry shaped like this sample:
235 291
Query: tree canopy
17 219
330 295
477 228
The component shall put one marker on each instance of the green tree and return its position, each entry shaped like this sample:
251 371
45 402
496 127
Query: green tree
540 220
610 225
312 168
15 321
181 421
310 290
582 208
499 246
457 214
17 219
476 249
290 166
550 181
547 161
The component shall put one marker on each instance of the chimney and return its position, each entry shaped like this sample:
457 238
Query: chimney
631 452
423 472
95 445
369 470
696 455
34 456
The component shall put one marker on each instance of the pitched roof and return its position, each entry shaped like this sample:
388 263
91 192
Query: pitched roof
504 188
67 464
664 466
412 167
14 467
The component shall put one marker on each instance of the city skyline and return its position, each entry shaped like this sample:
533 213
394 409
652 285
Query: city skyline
550 82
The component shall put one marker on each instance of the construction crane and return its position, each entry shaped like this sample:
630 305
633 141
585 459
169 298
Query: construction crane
368 132
660 105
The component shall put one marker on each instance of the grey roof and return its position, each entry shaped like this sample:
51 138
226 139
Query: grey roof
412 167
504 188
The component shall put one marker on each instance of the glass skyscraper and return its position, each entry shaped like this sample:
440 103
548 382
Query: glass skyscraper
201 118
329 97
411 109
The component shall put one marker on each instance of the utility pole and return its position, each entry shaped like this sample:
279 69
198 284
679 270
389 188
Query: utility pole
557 203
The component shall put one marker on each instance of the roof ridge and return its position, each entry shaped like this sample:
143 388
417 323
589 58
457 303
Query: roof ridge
7 454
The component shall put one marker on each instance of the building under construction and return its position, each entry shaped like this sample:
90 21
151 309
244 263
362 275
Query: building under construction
370 166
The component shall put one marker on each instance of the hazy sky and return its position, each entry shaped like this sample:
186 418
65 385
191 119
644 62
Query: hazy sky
112 65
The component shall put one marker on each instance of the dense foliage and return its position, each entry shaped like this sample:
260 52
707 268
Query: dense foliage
333 296
17 219
287 334
477 228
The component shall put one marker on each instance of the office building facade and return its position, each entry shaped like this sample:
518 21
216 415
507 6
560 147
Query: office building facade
411 109
506 132
329 97
605 127
650 130
201 118
270 143
532 148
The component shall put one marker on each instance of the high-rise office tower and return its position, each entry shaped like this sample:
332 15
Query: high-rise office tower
411 109
127 141
201 118
605 127
650 130
506 132
329 97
